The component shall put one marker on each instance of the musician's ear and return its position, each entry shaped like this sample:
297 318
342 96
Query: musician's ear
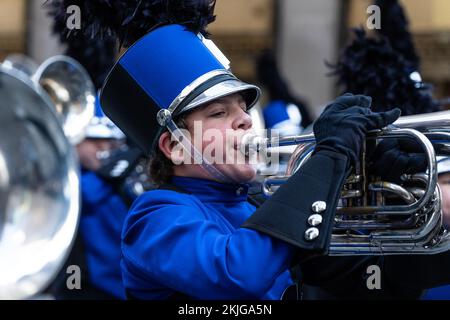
169 148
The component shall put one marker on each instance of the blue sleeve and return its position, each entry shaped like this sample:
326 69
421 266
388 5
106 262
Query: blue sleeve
175 246
103 213
94 190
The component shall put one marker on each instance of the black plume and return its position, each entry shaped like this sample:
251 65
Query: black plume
129 20
96 55
99 18
370 66
395 27
269 76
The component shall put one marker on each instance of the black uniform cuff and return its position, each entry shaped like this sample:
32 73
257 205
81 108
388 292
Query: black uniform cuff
285 215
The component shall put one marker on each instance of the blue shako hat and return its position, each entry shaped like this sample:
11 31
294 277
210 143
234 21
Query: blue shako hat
167 72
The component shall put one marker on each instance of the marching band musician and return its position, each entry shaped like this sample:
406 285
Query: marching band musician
105 161
197 236
103 208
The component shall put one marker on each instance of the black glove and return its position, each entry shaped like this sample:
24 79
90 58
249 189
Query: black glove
394 157
119 164
118 167
342 127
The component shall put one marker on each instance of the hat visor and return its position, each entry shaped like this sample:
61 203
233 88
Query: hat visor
101 131
250 92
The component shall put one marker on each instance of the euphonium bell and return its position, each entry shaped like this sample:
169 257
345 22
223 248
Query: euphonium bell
374 216
72 92
68 86
39 178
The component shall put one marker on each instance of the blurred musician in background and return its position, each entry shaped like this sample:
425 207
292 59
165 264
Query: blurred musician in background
283 111
112 175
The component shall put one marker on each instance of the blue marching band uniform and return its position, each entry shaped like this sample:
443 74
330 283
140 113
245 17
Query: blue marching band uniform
190 241
202 239
102 216
103 211
105 201
194 242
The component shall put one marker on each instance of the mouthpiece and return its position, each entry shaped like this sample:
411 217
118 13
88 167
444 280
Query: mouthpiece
252 144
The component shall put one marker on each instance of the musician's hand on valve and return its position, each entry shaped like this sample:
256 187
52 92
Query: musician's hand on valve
394 157
342 127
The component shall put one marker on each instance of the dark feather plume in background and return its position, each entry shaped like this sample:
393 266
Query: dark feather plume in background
96 53
395 27
129 20
381 65
97 56
371 66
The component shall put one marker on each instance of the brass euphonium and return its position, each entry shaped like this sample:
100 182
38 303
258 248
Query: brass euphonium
367 221
72 92
39 170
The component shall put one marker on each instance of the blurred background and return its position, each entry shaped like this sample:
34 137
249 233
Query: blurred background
303 34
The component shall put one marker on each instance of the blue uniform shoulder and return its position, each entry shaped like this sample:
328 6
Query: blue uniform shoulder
154 213
158 197
166 202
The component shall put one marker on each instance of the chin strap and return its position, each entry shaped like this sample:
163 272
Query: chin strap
165 119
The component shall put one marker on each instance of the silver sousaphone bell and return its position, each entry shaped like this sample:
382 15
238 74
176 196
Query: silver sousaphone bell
40 117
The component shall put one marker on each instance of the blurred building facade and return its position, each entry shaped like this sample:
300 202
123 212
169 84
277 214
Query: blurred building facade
303 33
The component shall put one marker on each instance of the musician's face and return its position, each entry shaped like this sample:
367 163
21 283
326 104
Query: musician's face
92 151
217 130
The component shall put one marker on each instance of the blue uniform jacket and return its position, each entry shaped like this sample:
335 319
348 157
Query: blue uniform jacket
192 243
103 212
439 293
